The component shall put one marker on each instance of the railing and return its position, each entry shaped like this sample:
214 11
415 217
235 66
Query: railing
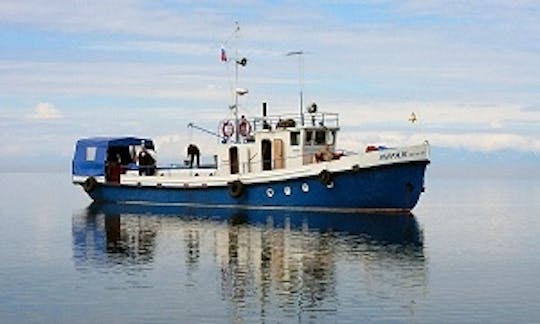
295 120
227 128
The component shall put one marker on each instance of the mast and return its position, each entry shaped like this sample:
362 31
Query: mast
237 91
236 124
300 55
236 32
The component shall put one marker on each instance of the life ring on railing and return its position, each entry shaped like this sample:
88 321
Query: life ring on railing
326 177
244 128
227 128
90 184
236 188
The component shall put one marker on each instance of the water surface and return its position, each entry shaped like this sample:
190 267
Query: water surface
469 253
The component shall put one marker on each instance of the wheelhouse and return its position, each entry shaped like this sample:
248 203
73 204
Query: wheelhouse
279 142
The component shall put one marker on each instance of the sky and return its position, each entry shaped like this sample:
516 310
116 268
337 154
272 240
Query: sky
469 70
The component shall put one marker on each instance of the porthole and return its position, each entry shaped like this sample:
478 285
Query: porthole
270 192
305 187
287 191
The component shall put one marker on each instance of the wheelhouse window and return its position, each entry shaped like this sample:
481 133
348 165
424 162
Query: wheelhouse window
295 138
91 153
309 137
320 137
331 138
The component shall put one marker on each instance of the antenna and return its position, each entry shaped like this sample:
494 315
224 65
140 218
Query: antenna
237 91
234 33
300 55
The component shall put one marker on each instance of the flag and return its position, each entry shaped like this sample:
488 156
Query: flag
223 55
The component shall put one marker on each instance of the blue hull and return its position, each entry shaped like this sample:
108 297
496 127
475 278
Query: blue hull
395 187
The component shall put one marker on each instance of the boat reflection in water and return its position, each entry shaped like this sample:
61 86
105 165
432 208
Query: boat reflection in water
287 262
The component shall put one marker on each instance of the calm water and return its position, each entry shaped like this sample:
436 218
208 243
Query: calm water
470 253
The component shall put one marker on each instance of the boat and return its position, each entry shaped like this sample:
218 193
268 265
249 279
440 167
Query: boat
271 162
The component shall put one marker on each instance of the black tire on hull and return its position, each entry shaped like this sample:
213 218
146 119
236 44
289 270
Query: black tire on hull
236 188
326 177
90 184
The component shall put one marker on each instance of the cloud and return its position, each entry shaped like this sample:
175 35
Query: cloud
474 142
122 17
437 116
389 57
473 127
371 61
489 142
140 80
45 111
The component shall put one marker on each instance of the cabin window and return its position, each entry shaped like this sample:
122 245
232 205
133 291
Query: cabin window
331 138
309 137
320 137
295 138
91 153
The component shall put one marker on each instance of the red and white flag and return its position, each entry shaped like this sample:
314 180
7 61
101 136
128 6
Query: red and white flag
223 55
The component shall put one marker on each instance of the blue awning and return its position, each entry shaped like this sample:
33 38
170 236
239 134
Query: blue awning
115 141
91 153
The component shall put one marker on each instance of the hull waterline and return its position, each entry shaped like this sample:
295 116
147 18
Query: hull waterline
386 188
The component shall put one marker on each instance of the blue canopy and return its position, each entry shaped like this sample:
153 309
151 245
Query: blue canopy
92 153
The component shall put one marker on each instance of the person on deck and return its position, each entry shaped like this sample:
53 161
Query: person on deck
147 163
113 169
193 152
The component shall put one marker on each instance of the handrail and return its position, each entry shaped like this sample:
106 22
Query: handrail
319 119
316 120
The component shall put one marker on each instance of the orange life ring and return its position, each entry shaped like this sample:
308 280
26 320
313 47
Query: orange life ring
227 129
244 127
